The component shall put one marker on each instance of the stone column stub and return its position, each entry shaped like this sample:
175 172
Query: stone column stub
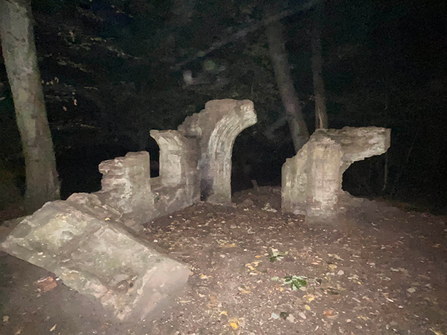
215 128
178 157
126 186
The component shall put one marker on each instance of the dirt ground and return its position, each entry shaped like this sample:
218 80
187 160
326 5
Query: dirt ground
375 270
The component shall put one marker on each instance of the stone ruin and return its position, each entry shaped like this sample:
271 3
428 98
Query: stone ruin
84 242
312 179
195 164
216 143
89 240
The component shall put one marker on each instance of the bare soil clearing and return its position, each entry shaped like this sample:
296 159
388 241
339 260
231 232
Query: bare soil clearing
377 270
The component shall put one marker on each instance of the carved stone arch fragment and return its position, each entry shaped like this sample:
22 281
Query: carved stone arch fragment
312 179
215 129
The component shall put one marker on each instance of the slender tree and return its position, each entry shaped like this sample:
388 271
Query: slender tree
19 52
317 70
278 55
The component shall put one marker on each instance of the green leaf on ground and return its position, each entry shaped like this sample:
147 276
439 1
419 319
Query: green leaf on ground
295 282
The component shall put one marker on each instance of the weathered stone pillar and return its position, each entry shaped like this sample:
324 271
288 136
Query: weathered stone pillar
294 183
311 180
178 185
215 128
178 157
323 178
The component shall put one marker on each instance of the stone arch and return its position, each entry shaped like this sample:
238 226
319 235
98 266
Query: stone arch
215 129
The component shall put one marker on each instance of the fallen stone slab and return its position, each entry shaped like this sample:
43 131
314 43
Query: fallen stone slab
82 241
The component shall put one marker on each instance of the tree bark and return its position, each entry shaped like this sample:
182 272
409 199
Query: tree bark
278 55
317 70
19 52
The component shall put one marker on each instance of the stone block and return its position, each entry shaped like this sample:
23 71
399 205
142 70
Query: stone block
126 187
97 256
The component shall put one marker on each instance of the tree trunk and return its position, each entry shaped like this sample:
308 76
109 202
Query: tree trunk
317 70
298 127
19 52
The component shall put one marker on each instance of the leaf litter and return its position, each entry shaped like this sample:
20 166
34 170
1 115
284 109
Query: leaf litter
370 272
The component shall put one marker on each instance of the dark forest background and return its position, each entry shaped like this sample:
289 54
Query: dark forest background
114 69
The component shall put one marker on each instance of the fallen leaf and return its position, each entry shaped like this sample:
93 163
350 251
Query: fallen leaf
5 318
226 244
436 332
307 307
252 266
53 328
330 313
309 297
45 284
335 256
364 318
234 323
386 297
244 289
213 301
203 277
